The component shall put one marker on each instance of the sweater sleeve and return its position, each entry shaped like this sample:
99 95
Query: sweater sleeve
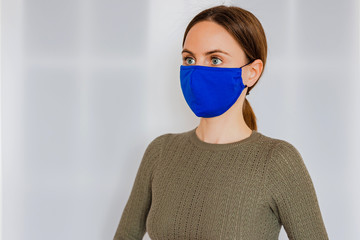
132 225
294 200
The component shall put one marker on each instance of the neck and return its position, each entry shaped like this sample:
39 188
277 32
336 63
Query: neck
226 128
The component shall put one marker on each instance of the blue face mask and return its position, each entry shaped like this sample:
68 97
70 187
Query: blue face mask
211 91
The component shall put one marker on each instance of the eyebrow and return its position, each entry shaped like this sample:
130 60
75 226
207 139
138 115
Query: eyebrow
207 53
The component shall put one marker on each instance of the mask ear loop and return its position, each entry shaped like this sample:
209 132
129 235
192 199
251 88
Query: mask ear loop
247 63
244 66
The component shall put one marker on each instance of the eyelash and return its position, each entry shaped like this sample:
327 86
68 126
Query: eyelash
212 57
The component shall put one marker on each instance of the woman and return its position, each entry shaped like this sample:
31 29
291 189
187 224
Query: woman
222 179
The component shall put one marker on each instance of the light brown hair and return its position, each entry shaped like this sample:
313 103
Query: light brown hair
248 32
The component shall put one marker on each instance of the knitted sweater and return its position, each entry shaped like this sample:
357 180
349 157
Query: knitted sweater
186 188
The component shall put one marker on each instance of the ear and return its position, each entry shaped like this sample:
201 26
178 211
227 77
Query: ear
253 72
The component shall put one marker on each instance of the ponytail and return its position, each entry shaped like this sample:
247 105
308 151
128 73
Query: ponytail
249 115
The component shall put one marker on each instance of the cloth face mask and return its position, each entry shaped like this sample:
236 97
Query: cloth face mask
211 91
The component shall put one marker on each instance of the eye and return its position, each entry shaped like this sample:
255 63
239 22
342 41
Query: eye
188 58
216 61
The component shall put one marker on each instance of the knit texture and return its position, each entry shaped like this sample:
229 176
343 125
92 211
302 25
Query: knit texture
186 188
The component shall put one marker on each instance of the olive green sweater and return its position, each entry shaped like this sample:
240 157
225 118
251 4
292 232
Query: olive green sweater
186 188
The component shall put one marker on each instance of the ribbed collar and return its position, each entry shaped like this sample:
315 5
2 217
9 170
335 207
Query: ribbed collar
221 146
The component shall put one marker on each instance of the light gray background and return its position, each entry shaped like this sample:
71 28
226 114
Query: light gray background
87 84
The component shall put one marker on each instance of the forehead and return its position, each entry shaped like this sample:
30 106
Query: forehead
207 35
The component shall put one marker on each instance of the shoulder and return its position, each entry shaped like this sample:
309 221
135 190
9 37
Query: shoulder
156 143
159 139
285 153
285 163
285 149
273 145
153 152
279 146
282 154
155 149
169 138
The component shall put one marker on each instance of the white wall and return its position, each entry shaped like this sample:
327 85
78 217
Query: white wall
86 85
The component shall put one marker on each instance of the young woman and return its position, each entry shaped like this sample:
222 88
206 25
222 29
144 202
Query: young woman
223 179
